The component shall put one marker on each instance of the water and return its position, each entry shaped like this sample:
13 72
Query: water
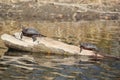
37 66
32 66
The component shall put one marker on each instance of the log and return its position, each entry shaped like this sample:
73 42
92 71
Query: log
42 44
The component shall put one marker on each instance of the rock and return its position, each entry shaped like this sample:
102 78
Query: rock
43 44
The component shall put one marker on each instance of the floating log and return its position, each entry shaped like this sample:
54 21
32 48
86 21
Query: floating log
42 44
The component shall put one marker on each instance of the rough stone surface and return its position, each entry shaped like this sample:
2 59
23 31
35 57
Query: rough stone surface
58 11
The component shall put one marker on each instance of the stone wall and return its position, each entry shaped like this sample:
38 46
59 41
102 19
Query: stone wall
67 1
56 11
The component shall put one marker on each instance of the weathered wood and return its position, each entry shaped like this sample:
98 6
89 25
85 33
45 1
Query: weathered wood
43 44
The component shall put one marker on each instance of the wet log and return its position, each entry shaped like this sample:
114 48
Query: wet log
42 44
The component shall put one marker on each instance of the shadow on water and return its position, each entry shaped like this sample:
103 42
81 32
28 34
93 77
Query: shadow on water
31 66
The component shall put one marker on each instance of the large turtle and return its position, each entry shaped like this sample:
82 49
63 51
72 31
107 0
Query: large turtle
89 46
30 32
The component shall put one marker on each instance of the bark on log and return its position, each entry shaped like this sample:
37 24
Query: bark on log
43 44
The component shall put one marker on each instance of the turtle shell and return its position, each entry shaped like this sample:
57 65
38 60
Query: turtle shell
30 31
89 46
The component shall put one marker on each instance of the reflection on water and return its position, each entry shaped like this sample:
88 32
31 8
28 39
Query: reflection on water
56 67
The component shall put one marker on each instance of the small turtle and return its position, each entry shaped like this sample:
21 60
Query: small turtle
30 32
89 46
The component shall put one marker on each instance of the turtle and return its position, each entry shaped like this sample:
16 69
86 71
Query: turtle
30 32
89 46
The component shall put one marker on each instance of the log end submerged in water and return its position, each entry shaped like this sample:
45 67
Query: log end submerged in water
43 44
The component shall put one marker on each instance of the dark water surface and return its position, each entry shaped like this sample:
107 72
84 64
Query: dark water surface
37 66
56 67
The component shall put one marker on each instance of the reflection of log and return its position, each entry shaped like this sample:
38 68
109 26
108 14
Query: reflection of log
25 61
43 44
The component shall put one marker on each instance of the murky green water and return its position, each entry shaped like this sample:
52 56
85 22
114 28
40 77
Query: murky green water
34 66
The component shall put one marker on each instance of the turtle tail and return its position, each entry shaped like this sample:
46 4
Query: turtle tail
40 35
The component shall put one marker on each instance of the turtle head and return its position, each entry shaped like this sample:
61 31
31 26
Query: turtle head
96 49
22 27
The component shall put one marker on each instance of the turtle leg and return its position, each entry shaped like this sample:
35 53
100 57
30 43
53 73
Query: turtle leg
21 35
96 58
34 38
96 50
81 49
96 55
